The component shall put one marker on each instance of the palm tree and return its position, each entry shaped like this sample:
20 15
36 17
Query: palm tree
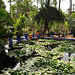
48 2
2 5
70 7
73 7
55 2
37 2
59 4
10 5
41 2
18 8
48 15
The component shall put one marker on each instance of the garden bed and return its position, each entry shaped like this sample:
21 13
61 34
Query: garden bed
35 58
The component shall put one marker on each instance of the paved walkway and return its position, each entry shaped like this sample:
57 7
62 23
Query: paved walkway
68 37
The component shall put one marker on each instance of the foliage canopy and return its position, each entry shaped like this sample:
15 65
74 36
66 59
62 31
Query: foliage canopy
50 14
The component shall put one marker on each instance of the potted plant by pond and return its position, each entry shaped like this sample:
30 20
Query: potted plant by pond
25 31
18 34
9 35
26 34
52 33
37 33
30 35
59 33
73 31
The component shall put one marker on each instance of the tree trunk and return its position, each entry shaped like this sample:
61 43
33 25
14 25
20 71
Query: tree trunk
59 35
18 11
46 21
37 4
59 4
70 7
73 7
10 6
48 2
55 2
41 4
63 30
45 26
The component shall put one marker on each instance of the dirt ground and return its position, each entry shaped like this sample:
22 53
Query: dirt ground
68 36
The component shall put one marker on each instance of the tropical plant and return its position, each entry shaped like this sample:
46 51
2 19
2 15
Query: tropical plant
6 25
3 22
22 7
18 33
71 23
55 2
10 6
67 48
70 7
30 33
52 33
20 23
48 14
2 5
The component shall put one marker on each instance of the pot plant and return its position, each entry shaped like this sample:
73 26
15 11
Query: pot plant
37 33
10 40
25 31
9 35
18 34
73 31
52 33
30 35
59 33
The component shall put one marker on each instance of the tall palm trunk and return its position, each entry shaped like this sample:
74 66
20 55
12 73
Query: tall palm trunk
46 21
41 3
59 4
70 7
45 26
73 7
48 3
37 3
18 11
10 6
55 2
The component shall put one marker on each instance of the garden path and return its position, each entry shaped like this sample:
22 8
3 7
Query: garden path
67 37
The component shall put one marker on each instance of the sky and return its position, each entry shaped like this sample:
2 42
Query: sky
64 5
